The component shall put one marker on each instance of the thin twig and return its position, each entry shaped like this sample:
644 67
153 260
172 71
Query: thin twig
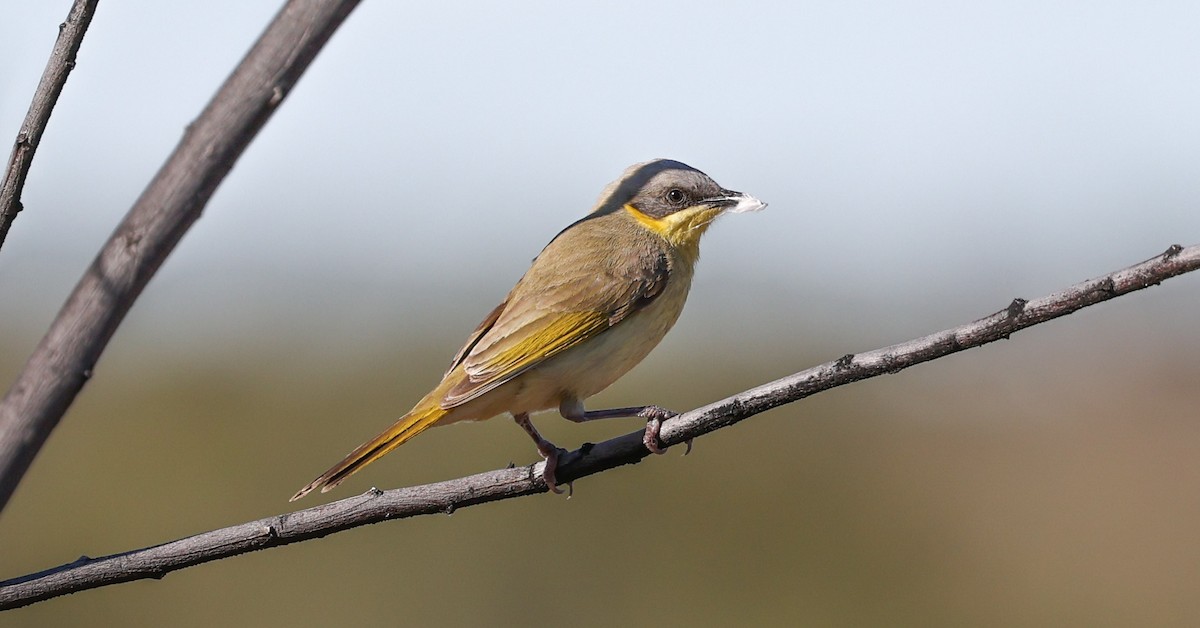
445 497
173 200
62 61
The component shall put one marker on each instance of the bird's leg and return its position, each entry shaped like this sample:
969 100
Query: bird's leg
572 410
547 450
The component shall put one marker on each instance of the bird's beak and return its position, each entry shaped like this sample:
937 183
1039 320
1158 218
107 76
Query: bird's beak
736 202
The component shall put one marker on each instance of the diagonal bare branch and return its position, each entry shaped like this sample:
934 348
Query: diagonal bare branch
444 497
62 61
64 359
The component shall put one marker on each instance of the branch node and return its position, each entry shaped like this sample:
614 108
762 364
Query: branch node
1108 286
844 362
1172 252
1016 308
891 365
270 533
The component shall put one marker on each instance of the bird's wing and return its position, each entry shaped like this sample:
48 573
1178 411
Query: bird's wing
553 308
482 329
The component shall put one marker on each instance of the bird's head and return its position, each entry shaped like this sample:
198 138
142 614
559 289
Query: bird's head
673 200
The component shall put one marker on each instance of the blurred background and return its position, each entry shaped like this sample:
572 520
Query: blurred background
925 162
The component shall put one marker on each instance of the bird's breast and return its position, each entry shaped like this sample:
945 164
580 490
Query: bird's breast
585 370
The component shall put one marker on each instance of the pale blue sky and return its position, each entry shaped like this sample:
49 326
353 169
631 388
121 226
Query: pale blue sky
911 153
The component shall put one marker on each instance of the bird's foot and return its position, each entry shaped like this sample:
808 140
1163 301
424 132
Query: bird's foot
547 450
655 415
551 454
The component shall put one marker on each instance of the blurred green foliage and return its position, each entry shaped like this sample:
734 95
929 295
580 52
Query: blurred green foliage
1047 480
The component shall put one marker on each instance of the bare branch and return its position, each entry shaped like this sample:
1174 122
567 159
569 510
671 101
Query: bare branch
445 497
62 61
173 200
1019 314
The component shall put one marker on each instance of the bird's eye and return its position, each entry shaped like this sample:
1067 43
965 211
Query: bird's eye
675 196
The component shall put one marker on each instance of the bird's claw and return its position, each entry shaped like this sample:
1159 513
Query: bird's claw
650 438
655 416
551 455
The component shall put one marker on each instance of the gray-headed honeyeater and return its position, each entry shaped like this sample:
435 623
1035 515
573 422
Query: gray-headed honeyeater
594 303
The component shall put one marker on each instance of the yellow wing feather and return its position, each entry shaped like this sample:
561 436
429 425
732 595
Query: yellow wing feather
538 341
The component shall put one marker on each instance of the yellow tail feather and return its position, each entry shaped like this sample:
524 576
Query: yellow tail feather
408 426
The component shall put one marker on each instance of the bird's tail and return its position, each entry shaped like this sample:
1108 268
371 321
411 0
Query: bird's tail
421 418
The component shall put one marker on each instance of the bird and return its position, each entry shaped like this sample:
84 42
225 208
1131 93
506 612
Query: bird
596 300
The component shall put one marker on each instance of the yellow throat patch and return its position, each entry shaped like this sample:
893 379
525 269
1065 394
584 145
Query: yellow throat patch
681 229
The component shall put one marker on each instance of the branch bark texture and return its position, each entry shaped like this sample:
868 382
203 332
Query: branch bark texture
64 359
445 497
62 61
